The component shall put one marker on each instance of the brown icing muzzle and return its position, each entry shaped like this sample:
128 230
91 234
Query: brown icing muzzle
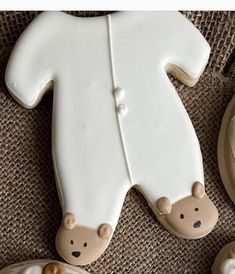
80 245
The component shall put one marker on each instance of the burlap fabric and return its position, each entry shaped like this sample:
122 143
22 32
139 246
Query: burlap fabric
29 208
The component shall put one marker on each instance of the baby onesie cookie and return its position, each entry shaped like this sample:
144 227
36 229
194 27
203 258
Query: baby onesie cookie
225 260
42 267
226 149
118 122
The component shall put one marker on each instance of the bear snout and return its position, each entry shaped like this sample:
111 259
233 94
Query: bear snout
76 254
197 224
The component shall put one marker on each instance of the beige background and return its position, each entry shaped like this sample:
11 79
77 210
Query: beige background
29 208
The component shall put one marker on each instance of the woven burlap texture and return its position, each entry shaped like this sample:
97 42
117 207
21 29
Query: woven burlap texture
30 213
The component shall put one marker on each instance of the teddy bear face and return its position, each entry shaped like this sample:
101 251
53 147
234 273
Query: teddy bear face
81 245
191 217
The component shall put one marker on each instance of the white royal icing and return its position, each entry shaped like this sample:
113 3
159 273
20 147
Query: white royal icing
117 119
228 266
35 269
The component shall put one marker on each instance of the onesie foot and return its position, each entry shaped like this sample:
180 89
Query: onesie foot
192 217
79 245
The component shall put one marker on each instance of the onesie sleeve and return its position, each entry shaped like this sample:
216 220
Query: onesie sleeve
28 73
187 49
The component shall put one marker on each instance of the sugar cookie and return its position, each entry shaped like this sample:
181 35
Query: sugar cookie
226 149
42 267
117 120
225 260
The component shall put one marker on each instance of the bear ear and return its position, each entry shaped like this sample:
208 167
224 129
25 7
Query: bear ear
164 205
231 253
105 231
198 190
69 221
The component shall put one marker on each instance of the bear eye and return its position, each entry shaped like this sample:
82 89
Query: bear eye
181 216
71 242
85 244
196 209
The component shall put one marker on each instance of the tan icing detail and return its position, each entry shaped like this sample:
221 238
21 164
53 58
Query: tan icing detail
223 255
105 231
164 206
54 268
10 272
190 217
198 190
69 221
181 75
82 245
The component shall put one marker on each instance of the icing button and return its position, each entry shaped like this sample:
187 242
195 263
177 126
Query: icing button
122 109
119 93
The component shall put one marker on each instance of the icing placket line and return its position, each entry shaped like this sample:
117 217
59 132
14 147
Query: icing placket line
115 95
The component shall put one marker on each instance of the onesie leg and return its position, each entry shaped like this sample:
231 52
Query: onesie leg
90 218
190 217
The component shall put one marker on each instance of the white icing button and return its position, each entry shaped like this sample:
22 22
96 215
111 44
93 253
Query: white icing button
122 109
228 267
119 93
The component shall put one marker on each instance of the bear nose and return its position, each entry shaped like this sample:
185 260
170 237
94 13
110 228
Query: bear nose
76 254
197 224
